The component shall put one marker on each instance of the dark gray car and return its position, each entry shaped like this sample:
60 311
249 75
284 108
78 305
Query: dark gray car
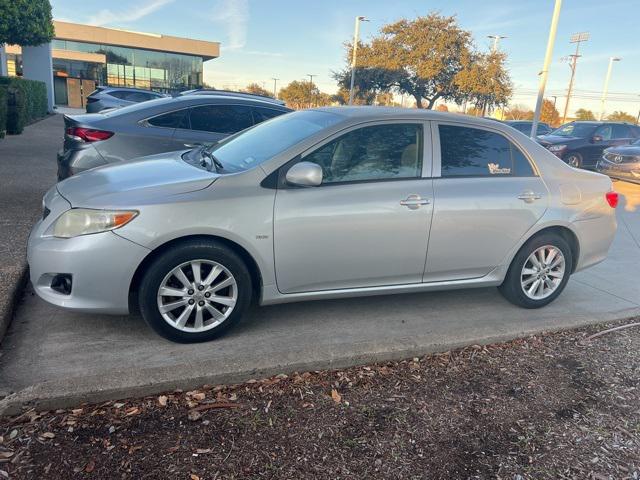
115 97
157 126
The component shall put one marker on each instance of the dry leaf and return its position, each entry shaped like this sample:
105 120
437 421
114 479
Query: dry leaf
194 415
194 477
162 400
132 411
203 450
90 467
48 435
336 396
6 454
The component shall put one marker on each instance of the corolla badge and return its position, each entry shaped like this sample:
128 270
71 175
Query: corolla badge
494 169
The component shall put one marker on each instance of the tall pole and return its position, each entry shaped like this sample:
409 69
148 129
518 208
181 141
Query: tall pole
311 88
496 39
356 36
606 85
545 69
275 82
576 38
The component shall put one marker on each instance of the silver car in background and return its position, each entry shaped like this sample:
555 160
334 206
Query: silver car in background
316 204
115 97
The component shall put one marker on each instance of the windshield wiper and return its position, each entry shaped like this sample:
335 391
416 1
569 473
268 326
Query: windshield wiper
207 154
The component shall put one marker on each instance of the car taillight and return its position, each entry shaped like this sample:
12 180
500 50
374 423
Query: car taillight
88 134
612 199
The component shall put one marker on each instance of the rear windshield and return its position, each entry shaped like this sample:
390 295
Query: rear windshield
267 139
575 130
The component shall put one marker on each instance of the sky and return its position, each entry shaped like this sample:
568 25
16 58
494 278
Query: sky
288 40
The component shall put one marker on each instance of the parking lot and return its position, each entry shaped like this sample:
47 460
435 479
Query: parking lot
53 358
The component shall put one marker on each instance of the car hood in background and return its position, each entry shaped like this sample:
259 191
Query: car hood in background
145 179
628 150
554 139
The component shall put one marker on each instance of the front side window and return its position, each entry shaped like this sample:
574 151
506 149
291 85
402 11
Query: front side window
221 118
474 152
379 152
605 132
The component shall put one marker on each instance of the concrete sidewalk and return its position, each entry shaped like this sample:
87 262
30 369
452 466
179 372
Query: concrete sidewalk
27 170
52 358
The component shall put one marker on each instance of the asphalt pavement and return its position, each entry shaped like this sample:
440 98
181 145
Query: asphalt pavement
52 358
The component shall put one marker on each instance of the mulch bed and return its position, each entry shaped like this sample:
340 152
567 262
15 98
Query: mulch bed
556 406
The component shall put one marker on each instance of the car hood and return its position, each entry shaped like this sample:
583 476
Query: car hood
136 182
554 139
631 150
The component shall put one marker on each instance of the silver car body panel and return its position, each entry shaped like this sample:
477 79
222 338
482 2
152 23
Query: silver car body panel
354 240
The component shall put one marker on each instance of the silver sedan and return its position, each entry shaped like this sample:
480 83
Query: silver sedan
316 204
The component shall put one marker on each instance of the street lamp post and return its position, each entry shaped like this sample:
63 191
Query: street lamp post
545 68
311 75
275 82
496 39
356 36
606 85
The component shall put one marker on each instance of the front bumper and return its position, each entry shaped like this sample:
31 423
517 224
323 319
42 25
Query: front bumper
101 266
623 171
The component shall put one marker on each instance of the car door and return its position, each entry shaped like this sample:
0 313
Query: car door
367 224
212 122
487 195
602 138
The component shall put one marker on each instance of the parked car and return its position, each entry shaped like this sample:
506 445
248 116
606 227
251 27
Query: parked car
233 93
621 162
580 144
156 126
315 204
103 98
524 126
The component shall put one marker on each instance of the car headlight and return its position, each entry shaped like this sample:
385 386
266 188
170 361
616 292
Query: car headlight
557 148
85 221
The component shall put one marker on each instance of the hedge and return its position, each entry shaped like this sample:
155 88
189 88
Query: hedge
26 102
3 110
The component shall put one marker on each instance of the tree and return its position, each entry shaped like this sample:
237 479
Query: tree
359 98
583 114
549 114
484 80
422 58
256 89
25 22
619 116
442 108
519 112
300 94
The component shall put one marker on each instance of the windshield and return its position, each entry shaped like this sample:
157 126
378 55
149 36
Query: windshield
575 130
267 139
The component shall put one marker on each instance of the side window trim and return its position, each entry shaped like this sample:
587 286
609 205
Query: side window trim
145 121
437 155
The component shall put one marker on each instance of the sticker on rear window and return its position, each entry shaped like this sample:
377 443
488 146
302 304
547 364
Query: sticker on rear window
494 169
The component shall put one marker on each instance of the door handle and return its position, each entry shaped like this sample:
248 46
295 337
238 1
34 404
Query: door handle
529 196
413 202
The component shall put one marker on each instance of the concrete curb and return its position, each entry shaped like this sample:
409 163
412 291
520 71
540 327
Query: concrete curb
9 303
131 383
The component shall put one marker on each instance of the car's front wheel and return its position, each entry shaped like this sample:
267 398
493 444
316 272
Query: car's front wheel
539 271
574 159
195 291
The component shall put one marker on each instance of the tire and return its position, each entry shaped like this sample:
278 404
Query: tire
512 288
220 309
573 159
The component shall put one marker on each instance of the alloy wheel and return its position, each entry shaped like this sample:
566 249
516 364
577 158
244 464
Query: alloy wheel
197 296
542 273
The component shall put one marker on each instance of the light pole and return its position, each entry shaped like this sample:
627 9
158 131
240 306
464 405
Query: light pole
311 75
496 40
576 38
275 82
606 85
356 35
545 68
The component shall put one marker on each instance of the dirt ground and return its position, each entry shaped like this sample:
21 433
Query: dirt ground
556 406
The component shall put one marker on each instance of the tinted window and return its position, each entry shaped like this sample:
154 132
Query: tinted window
269 139
221 118
371 153
262 114
621 131
474 152
175 119
605 132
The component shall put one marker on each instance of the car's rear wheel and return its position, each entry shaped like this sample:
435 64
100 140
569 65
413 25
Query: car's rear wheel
539 271
195 291
574 159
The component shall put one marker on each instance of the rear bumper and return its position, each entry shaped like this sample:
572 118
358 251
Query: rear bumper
595 236
72 162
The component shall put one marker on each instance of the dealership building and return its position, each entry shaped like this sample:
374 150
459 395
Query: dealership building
80 57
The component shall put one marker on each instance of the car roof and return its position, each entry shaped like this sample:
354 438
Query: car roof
129 89
232 93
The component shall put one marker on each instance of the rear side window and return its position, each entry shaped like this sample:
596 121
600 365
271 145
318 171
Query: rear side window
221 118
177 119
262 114
621 131
472 152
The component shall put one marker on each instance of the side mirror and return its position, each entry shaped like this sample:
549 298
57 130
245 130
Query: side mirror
305 174
596 138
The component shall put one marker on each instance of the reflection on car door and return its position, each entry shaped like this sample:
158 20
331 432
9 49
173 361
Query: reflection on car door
368 223
486 197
